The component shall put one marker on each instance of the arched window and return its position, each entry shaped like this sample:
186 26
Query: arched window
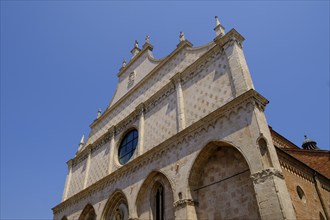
127 146
159 202
88 213
116 207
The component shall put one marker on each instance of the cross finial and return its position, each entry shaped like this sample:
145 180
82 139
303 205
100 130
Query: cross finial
182 38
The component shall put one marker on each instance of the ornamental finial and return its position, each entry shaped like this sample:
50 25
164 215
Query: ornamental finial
124 63
182 38
81 144
219 29
147 39
82 141
217 22
99 113
136 49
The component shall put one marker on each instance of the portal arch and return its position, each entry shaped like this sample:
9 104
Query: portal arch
220 183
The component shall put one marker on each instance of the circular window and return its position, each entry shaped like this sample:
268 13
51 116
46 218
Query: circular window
127 146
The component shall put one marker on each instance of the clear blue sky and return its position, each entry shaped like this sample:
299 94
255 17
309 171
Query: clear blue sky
59 62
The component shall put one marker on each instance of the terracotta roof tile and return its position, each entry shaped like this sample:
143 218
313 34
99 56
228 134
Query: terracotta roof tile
316 159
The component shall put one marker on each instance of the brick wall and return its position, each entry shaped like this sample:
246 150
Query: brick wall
309 206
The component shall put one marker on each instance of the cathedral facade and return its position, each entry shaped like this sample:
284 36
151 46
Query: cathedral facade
185 137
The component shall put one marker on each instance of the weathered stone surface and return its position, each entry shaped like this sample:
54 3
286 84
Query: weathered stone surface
204 143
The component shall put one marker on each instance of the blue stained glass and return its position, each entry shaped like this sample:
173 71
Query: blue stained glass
127 146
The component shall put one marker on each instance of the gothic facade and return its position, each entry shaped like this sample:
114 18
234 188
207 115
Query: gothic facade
185 137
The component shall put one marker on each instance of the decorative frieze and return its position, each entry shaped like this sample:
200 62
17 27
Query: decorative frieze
181 203
190 134
266 174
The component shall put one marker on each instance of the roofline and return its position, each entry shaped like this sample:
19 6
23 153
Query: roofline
302 163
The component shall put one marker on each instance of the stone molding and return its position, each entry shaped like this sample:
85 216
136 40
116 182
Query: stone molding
181 203
265 175
143 81
158 97
191 133
81 156
185 76
230 36
153 101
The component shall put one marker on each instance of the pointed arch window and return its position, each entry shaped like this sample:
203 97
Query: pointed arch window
159 202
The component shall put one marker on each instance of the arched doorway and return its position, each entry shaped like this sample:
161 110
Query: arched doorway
155 198
116 207
88 213
221 185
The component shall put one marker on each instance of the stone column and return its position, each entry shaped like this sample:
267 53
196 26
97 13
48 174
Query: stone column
112 146
88 167
271 191
68 180
180 102
140 112
240 75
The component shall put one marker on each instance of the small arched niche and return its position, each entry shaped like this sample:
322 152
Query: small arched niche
264 151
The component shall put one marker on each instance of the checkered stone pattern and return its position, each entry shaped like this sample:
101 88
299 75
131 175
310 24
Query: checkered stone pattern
99 164
160 122
181 61
226 190
208 89
77 178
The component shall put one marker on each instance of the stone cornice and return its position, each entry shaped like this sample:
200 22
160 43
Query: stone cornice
232 35
196 128
144 49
